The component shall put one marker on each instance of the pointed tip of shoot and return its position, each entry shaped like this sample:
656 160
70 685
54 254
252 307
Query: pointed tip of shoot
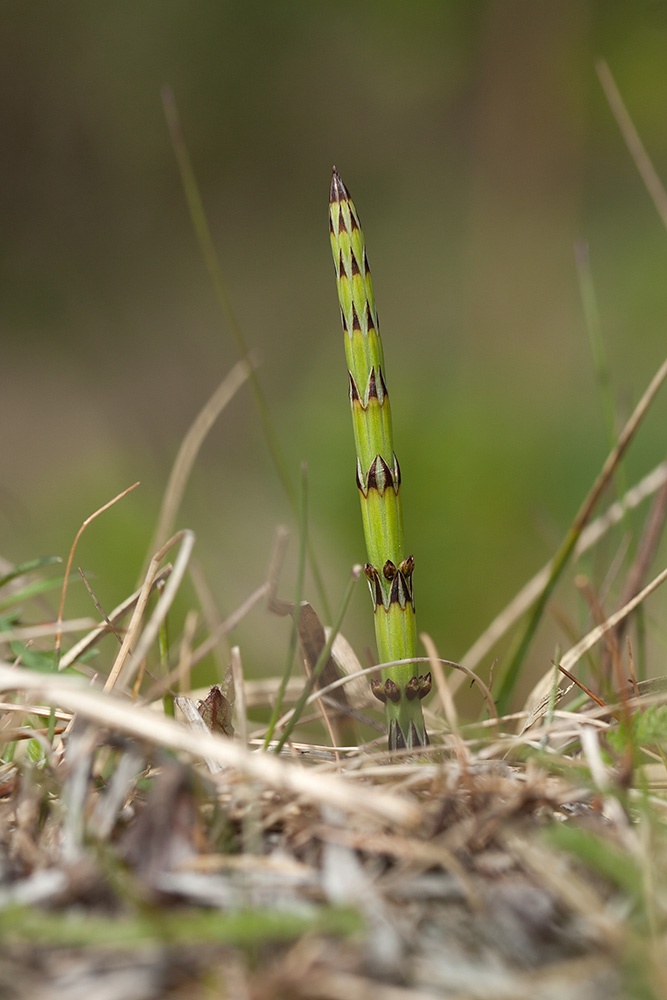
338 191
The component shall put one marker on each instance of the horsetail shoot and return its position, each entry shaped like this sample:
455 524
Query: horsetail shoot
389 570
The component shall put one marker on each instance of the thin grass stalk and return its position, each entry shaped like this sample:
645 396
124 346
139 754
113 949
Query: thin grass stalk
207 247
596 341
567 547
28 567
190 447
589 537
294 634
321 660
205 240
119 715
168 699
636 147
388 570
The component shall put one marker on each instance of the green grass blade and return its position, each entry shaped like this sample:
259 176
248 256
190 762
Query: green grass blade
388 570
27 567
241 927
30 590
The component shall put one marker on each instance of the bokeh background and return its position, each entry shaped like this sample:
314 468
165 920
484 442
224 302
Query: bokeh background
479 148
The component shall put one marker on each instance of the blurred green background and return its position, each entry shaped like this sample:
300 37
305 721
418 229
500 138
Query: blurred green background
479 148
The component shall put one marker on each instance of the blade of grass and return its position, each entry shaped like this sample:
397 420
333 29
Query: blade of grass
594 329
207 247
246 928
240 703
590 536
337 714
321 662
553 700
128 661
647 547
30 590
28 567
566 549
115 617
642 161
168 700
269 770
103 615
68 567
28 633
575 653
294 633
190 447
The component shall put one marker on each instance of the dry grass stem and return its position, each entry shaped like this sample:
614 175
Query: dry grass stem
143 724
70 558
28 633
642 161
190 447
647 547
127 662
590 536
115 617
575 653
240 701
184 665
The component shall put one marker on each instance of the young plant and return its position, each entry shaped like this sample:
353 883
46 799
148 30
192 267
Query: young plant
388 570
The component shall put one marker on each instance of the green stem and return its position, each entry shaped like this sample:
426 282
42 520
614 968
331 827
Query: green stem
389 570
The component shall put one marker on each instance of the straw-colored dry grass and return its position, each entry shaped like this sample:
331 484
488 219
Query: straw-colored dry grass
146 856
